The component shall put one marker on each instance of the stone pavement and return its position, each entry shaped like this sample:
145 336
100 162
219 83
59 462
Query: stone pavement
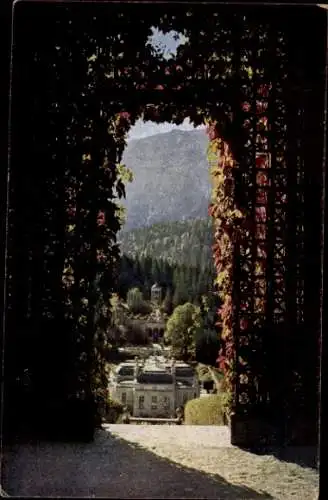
157 461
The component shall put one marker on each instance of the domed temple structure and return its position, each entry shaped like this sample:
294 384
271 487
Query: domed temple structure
156 293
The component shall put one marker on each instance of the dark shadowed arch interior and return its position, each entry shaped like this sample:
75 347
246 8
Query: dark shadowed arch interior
75 96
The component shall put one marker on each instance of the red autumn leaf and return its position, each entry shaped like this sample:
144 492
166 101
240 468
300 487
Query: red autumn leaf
101 219
260 214
216 248
243 324
212 210
261 231
264 89
261 107
262 161
246 107
125 115
261 197
212 133
72 211
262 179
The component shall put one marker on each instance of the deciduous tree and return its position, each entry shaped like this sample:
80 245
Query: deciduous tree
182 330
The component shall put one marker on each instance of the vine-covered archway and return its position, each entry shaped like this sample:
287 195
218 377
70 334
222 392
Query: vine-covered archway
77 94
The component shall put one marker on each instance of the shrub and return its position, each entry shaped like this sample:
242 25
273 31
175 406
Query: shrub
203 373
207 410
113 411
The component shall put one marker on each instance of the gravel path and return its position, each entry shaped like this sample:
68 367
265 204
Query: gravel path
135 461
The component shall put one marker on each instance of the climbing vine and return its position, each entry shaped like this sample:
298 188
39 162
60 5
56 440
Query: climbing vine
89 81
232 232
121 79
227 226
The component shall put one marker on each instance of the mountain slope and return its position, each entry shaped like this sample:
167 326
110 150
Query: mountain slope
184 242
171 179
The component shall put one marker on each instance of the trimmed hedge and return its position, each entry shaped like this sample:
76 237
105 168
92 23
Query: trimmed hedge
114 411
208 410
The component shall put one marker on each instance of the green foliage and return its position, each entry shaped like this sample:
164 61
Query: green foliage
181 242
136 302
167 306
203 372
135 335
134 298
182 330
125 174
181 290
208 410
208 340
114 409
186 284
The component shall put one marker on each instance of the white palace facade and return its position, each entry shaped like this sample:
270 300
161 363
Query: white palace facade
155 387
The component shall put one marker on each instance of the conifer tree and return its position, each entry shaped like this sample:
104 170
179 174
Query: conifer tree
168 302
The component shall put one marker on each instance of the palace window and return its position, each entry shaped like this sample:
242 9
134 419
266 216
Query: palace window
123 398
141 402
154 402
166 403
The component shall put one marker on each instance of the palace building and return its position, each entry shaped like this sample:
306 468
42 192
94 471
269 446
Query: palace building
155 387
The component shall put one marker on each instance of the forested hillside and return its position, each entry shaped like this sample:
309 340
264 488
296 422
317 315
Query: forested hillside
181 283
176 255
183 242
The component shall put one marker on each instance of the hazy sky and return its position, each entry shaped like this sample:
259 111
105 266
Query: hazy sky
145 129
